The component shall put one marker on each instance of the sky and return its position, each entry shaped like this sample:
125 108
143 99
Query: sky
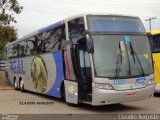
40 13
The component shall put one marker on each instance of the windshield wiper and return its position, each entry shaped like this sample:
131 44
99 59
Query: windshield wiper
134 54
119 62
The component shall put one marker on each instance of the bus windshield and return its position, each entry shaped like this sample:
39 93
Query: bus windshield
110 55
115 24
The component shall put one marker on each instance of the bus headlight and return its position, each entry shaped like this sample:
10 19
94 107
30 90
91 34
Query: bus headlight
103 86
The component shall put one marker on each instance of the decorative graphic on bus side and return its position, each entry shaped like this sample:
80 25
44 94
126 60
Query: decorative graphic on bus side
72 91
39 74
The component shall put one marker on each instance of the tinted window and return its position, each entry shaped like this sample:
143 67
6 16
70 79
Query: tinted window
76 28
9 51
51 40
41 43
156 43
115 24
30 46
111 57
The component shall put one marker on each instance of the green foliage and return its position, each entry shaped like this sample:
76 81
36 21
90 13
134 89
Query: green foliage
7 33
9 8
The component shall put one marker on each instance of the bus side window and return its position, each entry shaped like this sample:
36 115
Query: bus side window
9 51
76 28
50 41
56 38
156 43
30 45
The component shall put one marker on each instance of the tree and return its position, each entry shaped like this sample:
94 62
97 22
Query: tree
7 33
8 9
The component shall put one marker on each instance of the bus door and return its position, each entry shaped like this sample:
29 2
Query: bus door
84 72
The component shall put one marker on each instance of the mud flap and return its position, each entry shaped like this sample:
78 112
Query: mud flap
71 91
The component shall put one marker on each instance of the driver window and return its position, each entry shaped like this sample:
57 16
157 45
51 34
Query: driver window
76 28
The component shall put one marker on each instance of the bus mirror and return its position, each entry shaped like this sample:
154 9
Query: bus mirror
90 45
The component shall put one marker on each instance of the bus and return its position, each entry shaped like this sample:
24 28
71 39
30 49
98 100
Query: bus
95 59
155 42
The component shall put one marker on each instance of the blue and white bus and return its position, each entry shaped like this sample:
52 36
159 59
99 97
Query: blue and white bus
96 59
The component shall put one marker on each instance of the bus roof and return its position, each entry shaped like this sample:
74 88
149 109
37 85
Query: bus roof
38 31
62 22
154 32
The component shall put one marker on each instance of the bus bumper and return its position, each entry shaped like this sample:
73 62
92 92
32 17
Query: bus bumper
104 97
157 88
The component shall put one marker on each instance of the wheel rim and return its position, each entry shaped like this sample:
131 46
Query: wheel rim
21 84
15 84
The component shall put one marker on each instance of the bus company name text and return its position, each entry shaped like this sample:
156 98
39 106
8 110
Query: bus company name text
17 66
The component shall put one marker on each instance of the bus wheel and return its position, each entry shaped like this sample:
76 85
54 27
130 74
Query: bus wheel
15 84
21 85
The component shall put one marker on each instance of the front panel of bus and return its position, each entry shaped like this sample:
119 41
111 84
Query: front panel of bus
121 61
156 59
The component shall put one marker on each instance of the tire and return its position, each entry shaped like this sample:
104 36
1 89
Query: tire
15 85
21 85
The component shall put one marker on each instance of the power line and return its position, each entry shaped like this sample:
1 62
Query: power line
150 21
139 3
71 10
117 4
45 11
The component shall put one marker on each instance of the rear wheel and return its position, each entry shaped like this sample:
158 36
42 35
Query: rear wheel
15 84
21 85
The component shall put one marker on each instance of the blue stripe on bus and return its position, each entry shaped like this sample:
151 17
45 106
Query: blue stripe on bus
55 90
50 27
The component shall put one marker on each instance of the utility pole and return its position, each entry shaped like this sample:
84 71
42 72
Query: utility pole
150 21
